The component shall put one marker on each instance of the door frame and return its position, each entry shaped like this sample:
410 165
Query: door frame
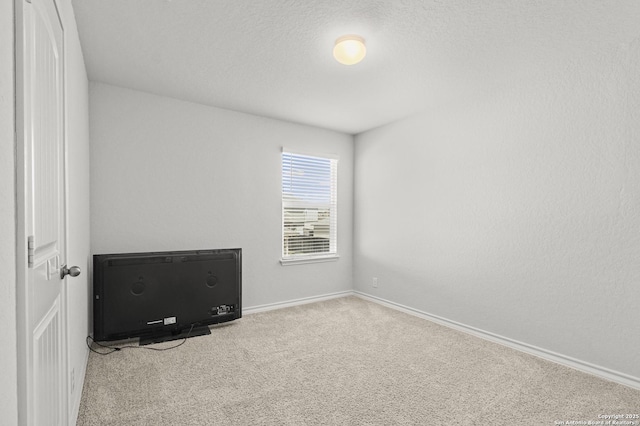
21 92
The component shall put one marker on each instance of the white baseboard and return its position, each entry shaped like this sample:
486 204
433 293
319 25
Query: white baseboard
295 302
586 367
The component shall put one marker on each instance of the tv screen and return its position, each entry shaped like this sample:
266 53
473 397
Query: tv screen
156 293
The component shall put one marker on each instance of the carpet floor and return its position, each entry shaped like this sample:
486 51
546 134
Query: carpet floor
345 361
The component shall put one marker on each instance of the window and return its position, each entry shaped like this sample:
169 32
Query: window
309 208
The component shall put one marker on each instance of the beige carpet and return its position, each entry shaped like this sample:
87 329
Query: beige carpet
341 362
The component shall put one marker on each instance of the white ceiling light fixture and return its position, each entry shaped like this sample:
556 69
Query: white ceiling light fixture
349 49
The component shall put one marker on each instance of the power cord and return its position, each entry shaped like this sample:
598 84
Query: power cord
119 348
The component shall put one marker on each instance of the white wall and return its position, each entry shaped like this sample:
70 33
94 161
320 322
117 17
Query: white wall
517 213
8 378
174 175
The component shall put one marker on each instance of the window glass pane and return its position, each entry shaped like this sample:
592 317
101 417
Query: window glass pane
309 207
306 231
306 180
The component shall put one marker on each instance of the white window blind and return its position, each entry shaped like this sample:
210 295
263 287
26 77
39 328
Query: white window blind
309 206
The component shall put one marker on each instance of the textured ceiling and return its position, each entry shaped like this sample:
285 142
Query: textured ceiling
273 57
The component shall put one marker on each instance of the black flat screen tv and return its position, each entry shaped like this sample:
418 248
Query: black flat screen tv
160 296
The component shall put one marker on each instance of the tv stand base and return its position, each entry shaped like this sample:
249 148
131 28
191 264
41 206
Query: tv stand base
167 337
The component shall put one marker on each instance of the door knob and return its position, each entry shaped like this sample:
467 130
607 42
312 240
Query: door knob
74 271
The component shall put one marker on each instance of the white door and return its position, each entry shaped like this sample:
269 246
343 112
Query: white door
42 143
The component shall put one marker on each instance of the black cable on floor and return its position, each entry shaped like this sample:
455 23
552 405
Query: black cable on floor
119 348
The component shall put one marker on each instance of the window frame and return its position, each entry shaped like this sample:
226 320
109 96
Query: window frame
303 258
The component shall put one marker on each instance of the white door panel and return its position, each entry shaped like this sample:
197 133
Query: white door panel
44 215
47 373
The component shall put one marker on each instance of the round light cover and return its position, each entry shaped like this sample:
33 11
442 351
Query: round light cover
349 49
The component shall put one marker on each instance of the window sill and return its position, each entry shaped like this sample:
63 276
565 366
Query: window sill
302 261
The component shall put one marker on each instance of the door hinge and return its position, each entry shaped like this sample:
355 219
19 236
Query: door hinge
31 248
